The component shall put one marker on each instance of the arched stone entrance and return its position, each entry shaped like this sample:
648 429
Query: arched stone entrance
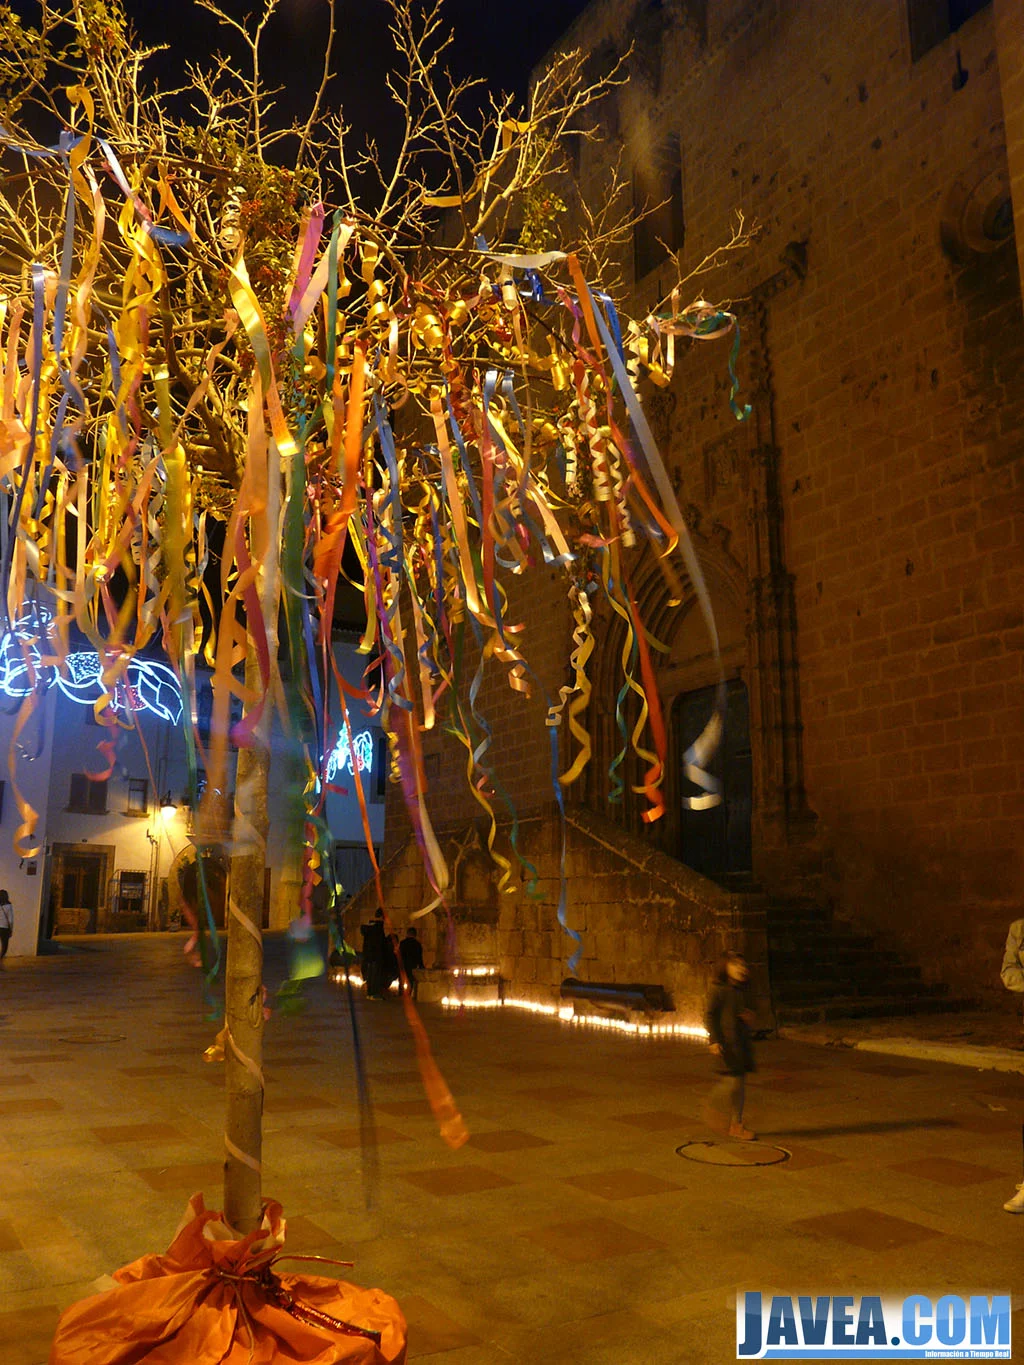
759 756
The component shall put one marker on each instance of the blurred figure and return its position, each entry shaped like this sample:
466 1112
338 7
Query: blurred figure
728 1022
6 923
374 948
1012 975
411 951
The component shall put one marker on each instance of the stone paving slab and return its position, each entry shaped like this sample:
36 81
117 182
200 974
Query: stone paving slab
990 1039
567 1229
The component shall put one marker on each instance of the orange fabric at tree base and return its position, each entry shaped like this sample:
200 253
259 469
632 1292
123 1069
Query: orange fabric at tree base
216 1299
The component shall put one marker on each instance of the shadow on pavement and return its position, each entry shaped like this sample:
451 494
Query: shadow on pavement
882 1126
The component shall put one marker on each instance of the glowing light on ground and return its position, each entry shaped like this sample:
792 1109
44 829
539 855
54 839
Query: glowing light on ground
568 1015
565 1013
338 976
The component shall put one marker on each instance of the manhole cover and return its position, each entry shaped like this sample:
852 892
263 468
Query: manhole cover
727 1153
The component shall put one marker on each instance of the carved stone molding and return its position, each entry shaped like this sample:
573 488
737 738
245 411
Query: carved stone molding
741 490
727 464
660 407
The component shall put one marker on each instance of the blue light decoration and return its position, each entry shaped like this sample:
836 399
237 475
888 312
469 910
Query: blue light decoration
145 685
340 759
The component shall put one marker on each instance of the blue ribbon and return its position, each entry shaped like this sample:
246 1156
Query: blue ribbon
332 306
741 413
11 523
466 467
67 141
536 288
391 557
71 390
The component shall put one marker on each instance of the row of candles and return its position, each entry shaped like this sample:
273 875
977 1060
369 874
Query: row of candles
568 1014
565 1013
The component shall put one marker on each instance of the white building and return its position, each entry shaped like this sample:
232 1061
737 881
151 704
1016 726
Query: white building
113 824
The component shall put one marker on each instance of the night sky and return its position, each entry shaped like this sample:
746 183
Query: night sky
495 43
499 44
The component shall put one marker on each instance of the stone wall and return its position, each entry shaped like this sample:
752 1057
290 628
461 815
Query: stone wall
874 504
642 917
518 751
1009 22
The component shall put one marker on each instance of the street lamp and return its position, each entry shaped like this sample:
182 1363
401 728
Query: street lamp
168 810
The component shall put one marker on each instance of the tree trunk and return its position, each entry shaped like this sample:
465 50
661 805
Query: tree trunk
243 1006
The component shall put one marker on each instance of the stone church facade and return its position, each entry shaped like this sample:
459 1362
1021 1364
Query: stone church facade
862 534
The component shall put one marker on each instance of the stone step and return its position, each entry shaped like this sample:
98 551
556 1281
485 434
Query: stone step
815 937
869 1007
811 992
798 919
801 959
802 962
845 982
818 989
740 883
826 969
795 905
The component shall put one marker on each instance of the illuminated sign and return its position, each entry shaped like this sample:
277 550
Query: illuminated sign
340 759
145 684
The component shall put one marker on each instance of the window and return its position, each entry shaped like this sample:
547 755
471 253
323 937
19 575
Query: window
138 796
204 709
658 191
130 899
931 21
87 796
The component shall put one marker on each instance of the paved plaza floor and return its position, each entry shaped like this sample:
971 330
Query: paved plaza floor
568 1229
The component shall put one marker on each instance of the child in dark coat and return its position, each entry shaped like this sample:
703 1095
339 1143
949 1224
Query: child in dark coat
728 1022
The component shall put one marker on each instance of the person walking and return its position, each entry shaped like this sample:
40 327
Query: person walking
6 923
728 1022
1012 974
411 952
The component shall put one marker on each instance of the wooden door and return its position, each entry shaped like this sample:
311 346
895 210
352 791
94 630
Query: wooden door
81 880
